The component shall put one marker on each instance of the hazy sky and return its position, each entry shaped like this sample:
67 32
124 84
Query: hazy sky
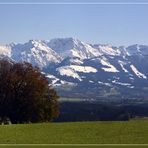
114 24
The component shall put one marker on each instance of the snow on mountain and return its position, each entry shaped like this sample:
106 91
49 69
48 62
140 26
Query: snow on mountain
69 61
138 74
75 61
108 67
57 82
107 50
137 50
133 49
83 69
68 71
73 70
35 52
121 83
69 47
5 50
122 66
107 84
52 78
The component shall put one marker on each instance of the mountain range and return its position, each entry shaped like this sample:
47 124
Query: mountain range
82 70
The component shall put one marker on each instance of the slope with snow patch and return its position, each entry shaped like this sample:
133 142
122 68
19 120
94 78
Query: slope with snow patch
108 67
73 70
122 66
69 72
138 74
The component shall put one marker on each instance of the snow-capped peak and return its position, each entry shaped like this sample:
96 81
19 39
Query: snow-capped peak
69 47
35 52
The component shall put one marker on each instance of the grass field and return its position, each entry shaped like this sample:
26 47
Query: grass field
135 132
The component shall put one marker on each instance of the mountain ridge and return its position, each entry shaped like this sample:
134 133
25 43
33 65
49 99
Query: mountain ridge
73 64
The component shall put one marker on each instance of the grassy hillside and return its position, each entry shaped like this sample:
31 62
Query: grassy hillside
76 132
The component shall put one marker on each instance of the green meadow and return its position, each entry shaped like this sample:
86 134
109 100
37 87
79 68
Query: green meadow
116 132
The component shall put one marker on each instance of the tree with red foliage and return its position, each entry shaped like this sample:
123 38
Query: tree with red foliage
25 94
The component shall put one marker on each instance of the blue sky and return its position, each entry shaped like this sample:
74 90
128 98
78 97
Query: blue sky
111 24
